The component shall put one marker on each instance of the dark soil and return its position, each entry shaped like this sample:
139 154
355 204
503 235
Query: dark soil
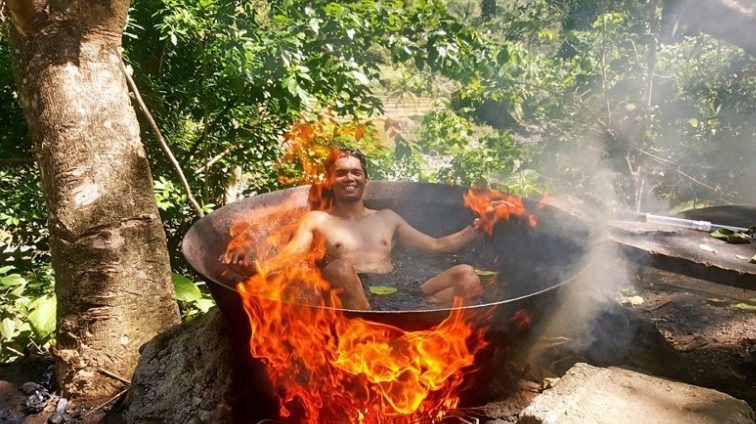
716 340
675 332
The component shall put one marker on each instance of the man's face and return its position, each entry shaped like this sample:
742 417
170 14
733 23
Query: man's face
347 179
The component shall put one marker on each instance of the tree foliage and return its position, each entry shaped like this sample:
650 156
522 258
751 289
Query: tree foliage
527 95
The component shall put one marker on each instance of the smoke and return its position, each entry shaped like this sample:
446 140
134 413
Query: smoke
692 140
596 202
591 182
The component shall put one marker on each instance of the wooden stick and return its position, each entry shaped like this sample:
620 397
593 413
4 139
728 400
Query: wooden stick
679 171
207 129
665 303
153 125
107 402
216 158
115 376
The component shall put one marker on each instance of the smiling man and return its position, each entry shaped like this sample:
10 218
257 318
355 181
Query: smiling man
359 240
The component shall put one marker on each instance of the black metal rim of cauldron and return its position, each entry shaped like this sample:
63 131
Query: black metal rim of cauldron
557 286
211 232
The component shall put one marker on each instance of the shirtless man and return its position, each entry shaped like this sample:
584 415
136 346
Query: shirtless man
360 240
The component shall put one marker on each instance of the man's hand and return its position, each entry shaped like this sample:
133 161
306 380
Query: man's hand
239 263
495 205
494 213
477 226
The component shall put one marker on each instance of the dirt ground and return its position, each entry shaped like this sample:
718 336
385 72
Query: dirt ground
714 335
666 325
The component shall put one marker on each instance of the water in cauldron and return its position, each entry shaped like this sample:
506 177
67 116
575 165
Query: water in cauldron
412 268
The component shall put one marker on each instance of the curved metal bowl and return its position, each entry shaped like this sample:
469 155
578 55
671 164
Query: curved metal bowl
536 261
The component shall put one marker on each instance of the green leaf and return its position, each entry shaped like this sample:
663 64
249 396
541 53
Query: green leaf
485 272
8 328
744 307
291 84
730 236
204 304
632 300
22 300
13 280
693 122
382 290
359 76
502 56
42 317
545 34
185 288
7 268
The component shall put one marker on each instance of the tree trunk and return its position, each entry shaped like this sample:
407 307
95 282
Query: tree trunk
112 273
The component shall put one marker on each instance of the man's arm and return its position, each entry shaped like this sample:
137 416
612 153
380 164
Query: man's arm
301 241
299 244
412 237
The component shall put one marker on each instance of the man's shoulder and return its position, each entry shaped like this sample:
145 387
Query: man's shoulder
315 217
317 213
388 214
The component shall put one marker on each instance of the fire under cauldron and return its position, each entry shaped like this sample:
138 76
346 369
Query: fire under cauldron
533 261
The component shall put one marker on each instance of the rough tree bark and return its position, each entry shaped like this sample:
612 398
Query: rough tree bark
108 245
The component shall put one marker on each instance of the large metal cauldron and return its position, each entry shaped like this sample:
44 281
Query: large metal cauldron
534 261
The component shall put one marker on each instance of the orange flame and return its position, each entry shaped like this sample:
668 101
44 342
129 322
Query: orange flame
308 144
337 369
521 320
329 368
492 206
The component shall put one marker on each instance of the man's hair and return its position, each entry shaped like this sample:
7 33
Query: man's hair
341 152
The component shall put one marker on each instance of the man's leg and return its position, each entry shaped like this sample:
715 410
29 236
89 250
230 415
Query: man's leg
459 280
344 279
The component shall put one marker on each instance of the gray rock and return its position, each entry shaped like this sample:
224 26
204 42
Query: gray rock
29 388
11 403
182 371
588 395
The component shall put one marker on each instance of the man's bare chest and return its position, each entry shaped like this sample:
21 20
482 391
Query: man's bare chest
369 235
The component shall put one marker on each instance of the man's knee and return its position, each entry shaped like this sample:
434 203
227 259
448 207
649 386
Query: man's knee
341 274
467 280
339 269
